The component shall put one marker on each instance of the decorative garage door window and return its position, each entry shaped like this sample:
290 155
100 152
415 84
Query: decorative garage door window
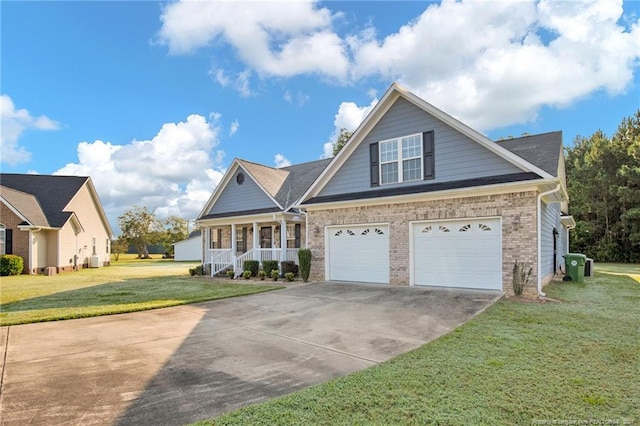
464 228
365 232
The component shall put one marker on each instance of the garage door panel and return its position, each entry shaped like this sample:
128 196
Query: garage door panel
466 253
359 253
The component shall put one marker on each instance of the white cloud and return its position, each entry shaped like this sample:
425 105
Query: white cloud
300 98
234 127
349 117
174 172
491 65
13 122
273 38
281 161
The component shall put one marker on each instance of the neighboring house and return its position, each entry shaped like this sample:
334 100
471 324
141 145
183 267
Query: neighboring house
189 249
414 198
55 223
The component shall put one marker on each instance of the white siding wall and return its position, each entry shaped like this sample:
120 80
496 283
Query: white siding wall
550 219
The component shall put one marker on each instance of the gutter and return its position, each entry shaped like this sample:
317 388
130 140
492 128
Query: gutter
538 214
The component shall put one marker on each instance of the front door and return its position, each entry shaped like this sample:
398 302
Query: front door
265 237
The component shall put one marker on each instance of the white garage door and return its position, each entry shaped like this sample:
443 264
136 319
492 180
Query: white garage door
465 253
359 253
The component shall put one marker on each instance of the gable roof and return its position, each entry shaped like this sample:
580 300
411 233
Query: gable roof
283 185
543 150
24 205
395 92
52 193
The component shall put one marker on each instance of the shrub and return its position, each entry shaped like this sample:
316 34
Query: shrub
262 274
270 265
304 257
289 266
246 275
289 276
198 270
231 273
10 264
251 265
275 274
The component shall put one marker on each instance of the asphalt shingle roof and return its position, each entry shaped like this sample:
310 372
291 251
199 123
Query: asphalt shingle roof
541 150
53 193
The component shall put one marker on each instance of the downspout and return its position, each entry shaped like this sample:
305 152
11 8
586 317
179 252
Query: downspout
538 214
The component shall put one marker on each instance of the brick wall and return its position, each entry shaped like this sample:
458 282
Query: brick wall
518 212
20 238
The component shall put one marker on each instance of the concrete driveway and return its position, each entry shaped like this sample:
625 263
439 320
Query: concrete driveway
181 364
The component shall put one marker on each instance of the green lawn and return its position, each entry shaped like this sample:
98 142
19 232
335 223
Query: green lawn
128 285
575 361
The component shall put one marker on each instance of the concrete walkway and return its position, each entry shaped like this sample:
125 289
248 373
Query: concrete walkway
182 364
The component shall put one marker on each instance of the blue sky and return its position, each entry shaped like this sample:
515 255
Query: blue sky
154 100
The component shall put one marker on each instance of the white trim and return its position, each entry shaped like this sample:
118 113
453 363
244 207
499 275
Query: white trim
224 182
392 94
462 219
497 189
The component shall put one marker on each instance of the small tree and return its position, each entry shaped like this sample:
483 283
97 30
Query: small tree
175 229
119 246
140 228
342 140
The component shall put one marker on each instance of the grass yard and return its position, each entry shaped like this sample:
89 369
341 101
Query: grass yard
575 361
128 285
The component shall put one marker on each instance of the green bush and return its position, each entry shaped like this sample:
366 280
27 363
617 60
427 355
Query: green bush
10 264
270 265
231 273
289 276
246 275
198 270
304 257
251 265
275 274
289 266
262 274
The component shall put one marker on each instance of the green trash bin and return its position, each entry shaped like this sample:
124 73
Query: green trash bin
574 266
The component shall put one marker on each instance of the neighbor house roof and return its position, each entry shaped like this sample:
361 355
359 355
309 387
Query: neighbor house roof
52 193
25 205
543 150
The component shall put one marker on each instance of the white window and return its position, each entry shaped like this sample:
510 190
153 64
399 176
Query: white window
3 239
401 159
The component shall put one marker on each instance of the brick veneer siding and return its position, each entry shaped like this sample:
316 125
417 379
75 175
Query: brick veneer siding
519 237
20 241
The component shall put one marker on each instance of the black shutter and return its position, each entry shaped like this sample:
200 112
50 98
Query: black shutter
297 244
8 241
373 157
428 154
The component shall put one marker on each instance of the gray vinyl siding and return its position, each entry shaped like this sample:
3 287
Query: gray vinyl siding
456 156
550 214
237 198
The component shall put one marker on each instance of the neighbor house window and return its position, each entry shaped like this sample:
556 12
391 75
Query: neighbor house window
401 159
3 239
293 235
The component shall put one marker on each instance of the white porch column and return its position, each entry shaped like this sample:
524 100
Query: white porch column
256 241
206 245
283 239
233 244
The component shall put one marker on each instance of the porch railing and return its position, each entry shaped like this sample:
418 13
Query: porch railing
221 259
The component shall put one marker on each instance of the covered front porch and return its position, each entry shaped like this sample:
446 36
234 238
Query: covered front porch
229 242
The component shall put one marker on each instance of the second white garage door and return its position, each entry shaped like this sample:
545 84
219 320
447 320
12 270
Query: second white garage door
358 253
461 253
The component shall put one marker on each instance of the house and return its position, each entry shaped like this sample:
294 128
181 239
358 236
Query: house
189 249
252 214
55 223
415 197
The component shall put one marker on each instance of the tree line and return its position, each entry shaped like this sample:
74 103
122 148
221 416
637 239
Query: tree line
603 181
